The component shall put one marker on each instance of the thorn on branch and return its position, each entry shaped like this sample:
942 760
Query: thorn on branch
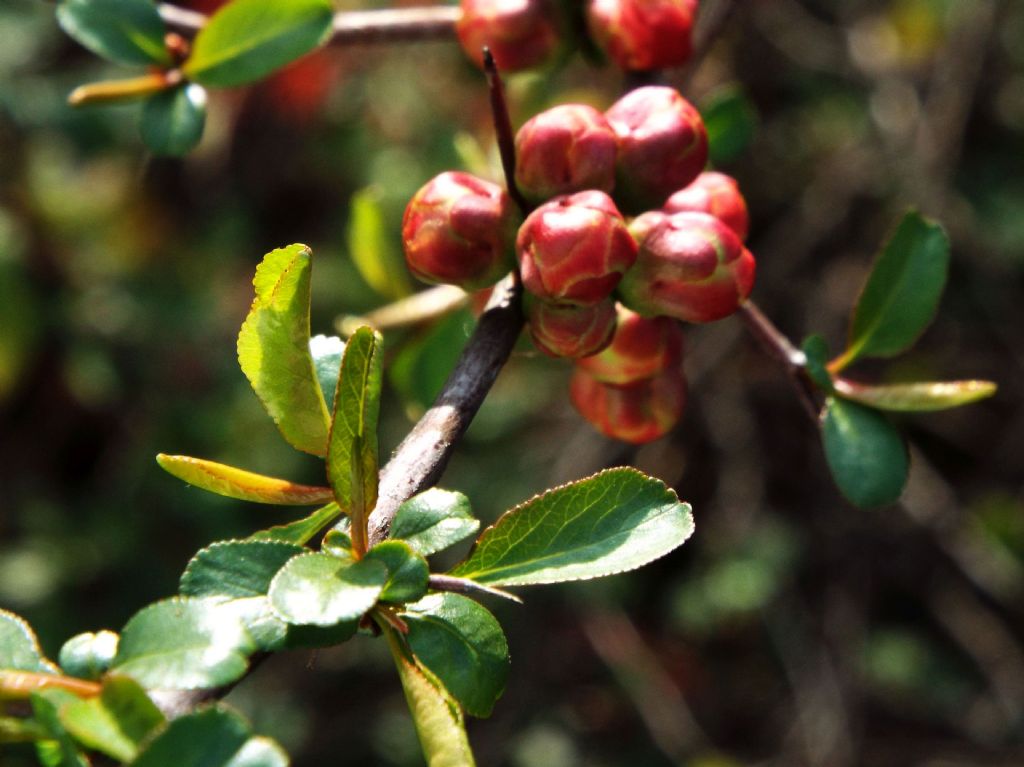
503 130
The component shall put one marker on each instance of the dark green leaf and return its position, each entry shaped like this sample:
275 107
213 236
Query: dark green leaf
60 750
89 655
337 543
320 590
434 520
182 644
614 521
246 40
407 571
244 485
463 645
173 120
19 648
125 31
730 120
902 292
212 737
116 722
273 348
326 352
379 262
302 530
816 351
438 719
916 397
422 366
865 452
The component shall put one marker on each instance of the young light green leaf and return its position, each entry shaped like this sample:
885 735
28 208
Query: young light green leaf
246 40
183 643
916 397
244 485
407 571
19 647
865 452
902 292
211 737
816 351
352 450
173 120
373 254
731 120
301 531
438 719
614 521
60 750
326 352
114 723
273 347
320 590
125 31
463 645
89 655
18 730
434 520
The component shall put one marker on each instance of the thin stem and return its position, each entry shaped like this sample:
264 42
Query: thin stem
411 310
503 129
457 585
122 90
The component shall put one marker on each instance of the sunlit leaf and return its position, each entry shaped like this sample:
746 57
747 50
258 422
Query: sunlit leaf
116 721
321 590
273 349
89 655
463 645
173 120
125 31
300 531
248 39
865 452
434 520
211 737
916 397
244 485
407 571
614 521
326 352
19 647
60 750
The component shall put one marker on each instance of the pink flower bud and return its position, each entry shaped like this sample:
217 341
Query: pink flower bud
575 249
566 149
638 412
692 267
642 348
644 224
458 229
717 194
520 33
663 146
564 330
643 34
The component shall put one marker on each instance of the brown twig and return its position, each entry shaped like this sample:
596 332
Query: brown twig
504 132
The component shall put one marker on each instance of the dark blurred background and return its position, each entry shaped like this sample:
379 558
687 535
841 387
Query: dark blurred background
792 629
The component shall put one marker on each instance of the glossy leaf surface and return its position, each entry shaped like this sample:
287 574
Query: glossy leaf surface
916 397
173 120
614 521
434 520
116 721
89 655
321 590
244 485
125 31
407 571
19 647
326 352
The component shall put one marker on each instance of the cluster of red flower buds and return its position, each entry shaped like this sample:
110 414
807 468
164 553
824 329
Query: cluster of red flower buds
679 257
638 35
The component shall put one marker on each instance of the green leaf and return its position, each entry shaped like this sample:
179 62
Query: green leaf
183 644
60 750
273 348
438 719
614 521
246 40
326 352
463 645
18 730
173 120
116 722
731 121
902 292
125 31
373 253
212 737
407 571
352 451
300 531
865 452
421 366
337 543
19 647
320 590
89 655
916 397
434 520
816 351
237 483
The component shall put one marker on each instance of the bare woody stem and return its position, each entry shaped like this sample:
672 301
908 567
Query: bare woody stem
503 129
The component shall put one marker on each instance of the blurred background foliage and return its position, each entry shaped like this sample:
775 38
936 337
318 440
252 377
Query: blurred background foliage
791 630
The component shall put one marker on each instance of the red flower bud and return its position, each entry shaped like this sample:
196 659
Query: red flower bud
642 348
575 249
457 229
643 34
644 224
566 149
692 267
564 330
663 146
638 412
520 33
717 194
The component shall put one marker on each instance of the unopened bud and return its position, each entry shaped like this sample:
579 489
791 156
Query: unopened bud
642 348
519 33
564 330
716 194
642 35
639 412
